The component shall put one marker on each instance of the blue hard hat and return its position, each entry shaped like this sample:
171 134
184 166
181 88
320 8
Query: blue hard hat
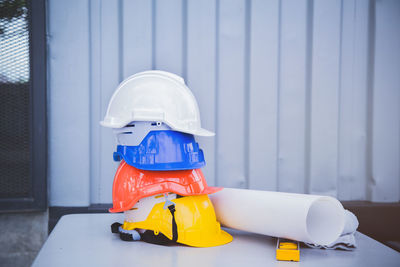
164 150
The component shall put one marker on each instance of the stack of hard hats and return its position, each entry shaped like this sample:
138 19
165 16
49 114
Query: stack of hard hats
159 184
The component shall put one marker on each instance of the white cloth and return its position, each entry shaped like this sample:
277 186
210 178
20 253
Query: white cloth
346 241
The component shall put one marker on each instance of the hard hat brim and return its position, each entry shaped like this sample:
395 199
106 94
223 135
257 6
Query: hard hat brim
207 191
203 132
218 240
197 132
131 184
113 123
162 150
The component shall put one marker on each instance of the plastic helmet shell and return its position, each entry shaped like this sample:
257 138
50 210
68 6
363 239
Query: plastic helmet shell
134 133
143 207
155 96
195 218
131 184
163 150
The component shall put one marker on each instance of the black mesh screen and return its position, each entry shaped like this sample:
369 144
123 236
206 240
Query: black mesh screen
15 171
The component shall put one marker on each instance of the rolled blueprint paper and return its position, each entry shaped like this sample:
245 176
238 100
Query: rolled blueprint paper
307 218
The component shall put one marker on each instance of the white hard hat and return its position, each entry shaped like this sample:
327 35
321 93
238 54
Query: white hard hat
134 133
142 208
155 96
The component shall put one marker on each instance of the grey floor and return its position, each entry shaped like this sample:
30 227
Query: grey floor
21 237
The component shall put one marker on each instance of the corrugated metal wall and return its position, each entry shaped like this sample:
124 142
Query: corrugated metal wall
304 95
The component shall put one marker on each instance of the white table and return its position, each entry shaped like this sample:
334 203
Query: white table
86 240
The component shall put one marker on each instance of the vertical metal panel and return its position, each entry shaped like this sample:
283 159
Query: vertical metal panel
292 96
201 72
168 36
95 99
231 94
385 180
69 103
325 97
110 78
353 101
263 94
137 25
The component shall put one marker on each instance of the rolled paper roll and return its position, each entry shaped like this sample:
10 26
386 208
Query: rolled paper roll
307 218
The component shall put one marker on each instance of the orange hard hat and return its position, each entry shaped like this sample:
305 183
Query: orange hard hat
132 184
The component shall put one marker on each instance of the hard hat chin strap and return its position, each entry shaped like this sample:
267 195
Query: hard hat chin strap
148 236
160 239
171 207
174 225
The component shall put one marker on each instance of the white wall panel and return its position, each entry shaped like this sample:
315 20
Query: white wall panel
231 94
325 97
137 36
385 177
95 99
292 96
263 94
110 77
201 72
353 101
304 95
168 19
68 83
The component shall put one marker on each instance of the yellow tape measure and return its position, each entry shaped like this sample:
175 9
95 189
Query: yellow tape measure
287 250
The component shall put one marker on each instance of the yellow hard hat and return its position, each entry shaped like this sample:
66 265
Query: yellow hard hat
187 220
